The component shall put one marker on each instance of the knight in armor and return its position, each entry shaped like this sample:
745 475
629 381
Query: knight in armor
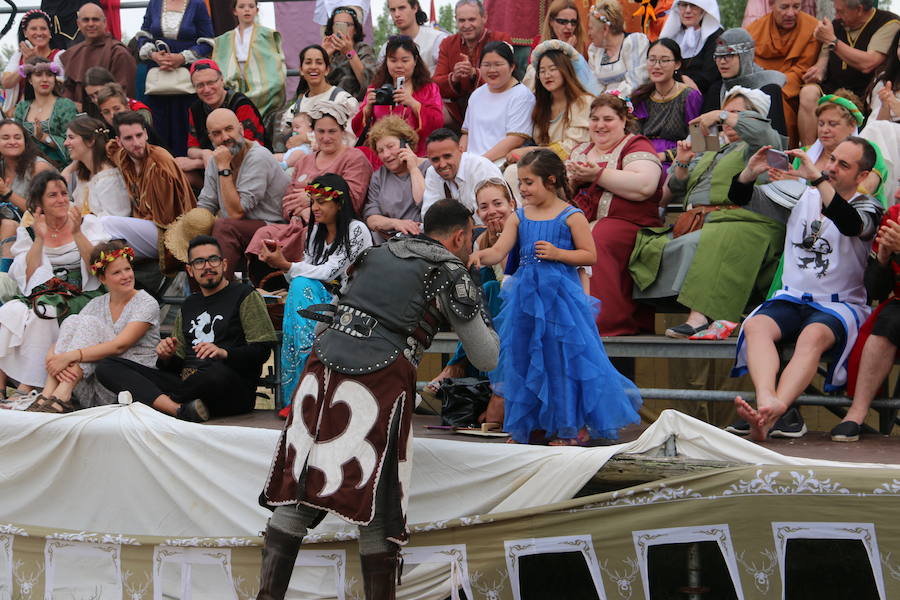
347 446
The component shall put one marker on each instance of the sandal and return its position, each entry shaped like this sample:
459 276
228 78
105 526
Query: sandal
52 405
564 442
685 330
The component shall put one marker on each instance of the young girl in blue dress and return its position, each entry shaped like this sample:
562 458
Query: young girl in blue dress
553 371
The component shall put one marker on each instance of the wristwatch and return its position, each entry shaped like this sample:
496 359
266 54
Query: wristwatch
224 172
823 177
831 45
722 116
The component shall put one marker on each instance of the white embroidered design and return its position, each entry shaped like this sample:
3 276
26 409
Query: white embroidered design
329 457
800 484
10 529
26 579
135 591
651 495
202 328
490 590
624 579
892 487
760 573
199 542
94 538
892 569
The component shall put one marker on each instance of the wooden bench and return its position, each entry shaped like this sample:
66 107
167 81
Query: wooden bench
658 346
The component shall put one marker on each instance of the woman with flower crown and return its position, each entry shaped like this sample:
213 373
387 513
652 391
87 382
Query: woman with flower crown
51 270
43 112
336 238
123 322
616 178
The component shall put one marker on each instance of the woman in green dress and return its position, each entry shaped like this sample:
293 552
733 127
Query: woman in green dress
251 59
43 113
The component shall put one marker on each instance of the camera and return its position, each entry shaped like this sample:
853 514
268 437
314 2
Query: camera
384 96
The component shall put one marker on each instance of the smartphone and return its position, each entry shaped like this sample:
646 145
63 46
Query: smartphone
271 245
341 28
778 159
404 143
400 81
28 44
703 143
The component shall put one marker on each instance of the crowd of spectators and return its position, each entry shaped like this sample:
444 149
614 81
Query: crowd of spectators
107 151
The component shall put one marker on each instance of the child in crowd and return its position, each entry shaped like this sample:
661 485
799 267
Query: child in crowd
301 125
553 371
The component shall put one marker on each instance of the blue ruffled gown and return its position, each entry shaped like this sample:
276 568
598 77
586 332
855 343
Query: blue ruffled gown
554 373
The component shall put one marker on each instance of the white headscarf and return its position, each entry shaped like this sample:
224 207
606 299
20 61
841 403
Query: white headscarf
691 40
759 101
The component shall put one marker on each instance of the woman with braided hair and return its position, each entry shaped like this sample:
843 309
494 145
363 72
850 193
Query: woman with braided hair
99 188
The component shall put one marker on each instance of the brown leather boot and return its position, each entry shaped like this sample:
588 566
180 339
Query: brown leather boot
278 557
380 575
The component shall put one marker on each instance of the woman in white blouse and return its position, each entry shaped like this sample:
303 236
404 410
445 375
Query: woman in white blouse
618 59
99 188
336 237
498 119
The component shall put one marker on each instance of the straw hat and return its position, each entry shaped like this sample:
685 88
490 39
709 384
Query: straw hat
197 221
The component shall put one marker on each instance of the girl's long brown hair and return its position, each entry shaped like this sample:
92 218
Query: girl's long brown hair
541 114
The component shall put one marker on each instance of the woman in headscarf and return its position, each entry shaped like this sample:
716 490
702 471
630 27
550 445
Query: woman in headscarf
695 27
727 259
734 56
334 155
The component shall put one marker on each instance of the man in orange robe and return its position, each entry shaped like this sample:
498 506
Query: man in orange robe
784 42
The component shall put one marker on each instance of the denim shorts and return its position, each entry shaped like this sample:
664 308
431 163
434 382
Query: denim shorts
794 317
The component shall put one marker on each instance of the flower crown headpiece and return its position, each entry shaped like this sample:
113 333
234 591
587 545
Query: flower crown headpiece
26 70
600 15
34 11
324 191
623 98
106 258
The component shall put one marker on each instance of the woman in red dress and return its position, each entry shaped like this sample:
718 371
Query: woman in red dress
617 178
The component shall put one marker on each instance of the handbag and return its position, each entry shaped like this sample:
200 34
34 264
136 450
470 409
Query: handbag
53 292
463 400
168 83
693 219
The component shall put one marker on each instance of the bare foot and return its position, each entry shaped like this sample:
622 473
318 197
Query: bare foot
749 414
563 442
450 372
509 440
494 412
767 416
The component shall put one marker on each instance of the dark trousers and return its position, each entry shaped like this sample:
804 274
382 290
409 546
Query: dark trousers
223 390
234 235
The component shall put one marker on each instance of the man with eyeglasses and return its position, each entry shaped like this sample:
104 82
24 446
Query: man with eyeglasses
456 74
211 366
212 94
823 300
99 49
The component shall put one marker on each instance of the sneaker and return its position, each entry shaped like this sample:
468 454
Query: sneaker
790 425
194 411
684 330
848 431
739 427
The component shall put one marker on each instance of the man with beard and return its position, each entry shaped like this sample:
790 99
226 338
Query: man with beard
243 184
211 367
158 189
346 447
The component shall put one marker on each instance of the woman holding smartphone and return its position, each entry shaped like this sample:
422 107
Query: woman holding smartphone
336 238
415 98
352 60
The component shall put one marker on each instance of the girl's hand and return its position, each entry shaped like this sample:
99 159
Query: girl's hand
75 218
403 97
886 93
683 152
494 226
57 362
370 104
274 258
343 42
546 251
475 259
40 223
5 186
71 374
26 50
